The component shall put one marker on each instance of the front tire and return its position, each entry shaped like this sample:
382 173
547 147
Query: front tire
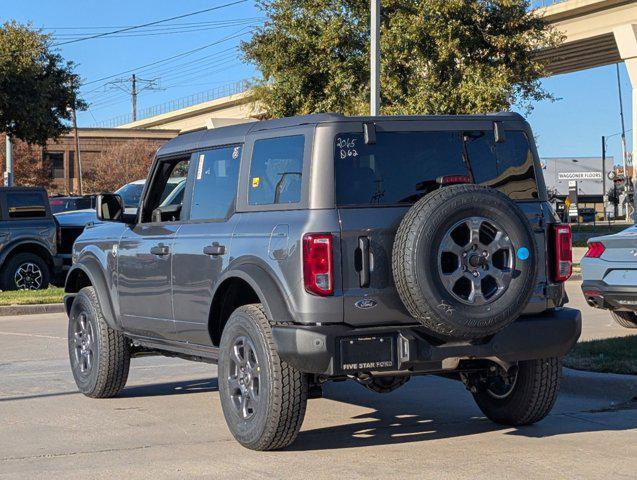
99 355
262 397
625 319
529 398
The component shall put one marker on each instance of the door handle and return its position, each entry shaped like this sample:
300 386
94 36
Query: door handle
214 249
160 250
364 272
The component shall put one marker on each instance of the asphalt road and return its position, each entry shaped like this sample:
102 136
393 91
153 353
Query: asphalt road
168 424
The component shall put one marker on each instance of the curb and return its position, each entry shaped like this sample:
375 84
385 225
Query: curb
620 388
10 310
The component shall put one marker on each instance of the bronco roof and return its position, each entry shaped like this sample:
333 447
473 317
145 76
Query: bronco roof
233 134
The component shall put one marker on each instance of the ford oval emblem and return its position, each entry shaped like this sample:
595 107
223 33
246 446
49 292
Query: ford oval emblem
366 304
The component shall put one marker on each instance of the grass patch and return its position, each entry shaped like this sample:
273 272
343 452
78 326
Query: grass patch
31 297
611 355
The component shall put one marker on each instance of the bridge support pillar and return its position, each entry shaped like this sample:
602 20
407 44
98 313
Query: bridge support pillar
626 38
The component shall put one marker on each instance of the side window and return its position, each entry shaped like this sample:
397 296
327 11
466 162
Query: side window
276 170
169 177
26 205
516 168
215 184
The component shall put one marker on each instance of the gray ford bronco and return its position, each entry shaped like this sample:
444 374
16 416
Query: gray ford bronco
325 247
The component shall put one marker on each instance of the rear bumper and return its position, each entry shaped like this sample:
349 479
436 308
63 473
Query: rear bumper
600 294
320 349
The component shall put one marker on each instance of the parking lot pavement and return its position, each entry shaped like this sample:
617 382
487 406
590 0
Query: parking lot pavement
168 423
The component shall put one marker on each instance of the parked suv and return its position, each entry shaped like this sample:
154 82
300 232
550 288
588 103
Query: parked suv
326 247
28 239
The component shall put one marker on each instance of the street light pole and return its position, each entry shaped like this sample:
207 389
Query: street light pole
78 159
374 101
8 167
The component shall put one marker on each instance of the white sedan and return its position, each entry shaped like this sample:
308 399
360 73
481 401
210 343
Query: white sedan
609 272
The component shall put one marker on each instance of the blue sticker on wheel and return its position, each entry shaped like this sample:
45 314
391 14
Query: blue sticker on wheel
523 253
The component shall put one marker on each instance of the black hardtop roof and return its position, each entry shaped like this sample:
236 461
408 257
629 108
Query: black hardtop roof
233 134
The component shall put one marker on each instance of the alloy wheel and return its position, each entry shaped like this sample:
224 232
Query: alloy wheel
244 377
28 276
475 261
83 343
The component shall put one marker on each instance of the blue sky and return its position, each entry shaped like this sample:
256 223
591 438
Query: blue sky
572 126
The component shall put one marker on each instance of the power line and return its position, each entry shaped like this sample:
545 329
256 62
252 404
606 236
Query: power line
167 59
91 37
177 24
168 29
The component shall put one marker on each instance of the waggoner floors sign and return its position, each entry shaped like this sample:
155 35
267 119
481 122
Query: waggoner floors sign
579 175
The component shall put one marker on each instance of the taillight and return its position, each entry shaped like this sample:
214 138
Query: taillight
563 253
453 179
595 250
318 276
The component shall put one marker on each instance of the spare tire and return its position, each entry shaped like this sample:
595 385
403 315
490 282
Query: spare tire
465 262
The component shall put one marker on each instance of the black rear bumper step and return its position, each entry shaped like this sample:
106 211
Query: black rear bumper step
322 349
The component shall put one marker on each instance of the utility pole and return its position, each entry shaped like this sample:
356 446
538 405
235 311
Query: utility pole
77 161
604 196
623 136
8 167
132 87
133 95
374 101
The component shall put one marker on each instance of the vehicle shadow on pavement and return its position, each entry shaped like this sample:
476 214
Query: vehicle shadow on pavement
204 385
426 409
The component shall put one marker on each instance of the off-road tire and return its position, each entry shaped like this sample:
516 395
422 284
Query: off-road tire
625 319
7 275
531 398
282 391
110 366
415 262
386 384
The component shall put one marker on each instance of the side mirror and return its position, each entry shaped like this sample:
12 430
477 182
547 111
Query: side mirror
110 207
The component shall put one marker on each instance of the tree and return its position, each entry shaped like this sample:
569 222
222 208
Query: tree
31 169
118 164
437 56
37 86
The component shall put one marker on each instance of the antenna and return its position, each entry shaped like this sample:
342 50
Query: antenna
133 86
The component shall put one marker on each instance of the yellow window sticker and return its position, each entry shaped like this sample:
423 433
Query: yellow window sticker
255 182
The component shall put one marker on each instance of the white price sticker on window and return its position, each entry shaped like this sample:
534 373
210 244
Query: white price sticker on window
202 157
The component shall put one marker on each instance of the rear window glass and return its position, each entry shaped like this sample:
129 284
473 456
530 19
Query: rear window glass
515 167
401 167
276 170
26 204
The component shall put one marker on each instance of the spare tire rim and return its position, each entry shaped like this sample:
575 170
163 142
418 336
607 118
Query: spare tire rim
244 378
28 276
475 261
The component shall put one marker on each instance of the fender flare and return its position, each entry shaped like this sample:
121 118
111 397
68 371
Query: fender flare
8 249
266 288
90 267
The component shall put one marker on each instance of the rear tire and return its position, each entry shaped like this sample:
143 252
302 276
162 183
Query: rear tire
25 271
262 397
529 399
99 355
625 319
